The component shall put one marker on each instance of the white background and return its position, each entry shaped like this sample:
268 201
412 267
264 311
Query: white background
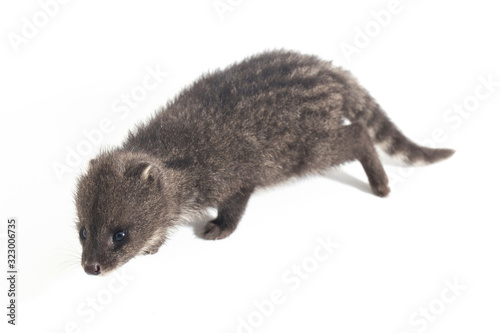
440 223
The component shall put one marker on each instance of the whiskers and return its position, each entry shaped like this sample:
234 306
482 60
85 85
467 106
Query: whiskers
68 259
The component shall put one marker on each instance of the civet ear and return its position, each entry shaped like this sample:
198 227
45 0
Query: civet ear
92 162
143 170
147 174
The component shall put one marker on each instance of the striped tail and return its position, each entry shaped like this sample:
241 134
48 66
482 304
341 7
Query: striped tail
359 106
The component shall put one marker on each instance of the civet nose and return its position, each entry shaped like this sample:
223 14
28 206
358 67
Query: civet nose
92 269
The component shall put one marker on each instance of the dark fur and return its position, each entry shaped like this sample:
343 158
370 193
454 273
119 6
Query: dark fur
264 120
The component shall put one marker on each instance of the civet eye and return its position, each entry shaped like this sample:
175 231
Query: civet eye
83 233
119 236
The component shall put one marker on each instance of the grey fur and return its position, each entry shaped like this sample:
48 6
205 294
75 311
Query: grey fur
259 122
